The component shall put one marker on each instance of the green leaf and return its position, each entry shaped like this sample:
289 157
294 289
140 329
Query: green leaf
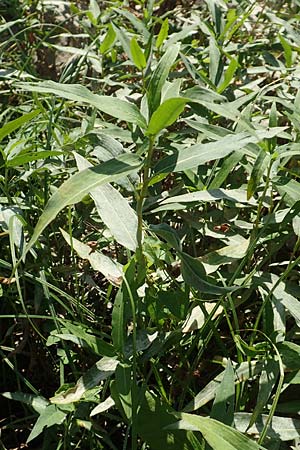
211 195
267 380
96 344
290 354
101 263
159 77
215 62
49 417
223 406
288 52
280 428
288 189
218 435
94 11
169 234
244 372
138 24
165 115
153 418
9 127
124 39
123 386
24 157
113 106
256 177
163 33
102 370
198 154
296 225
194 275
109 40
137 54
114 210
228 76
37 402
118 331
236 249
80 184
102 407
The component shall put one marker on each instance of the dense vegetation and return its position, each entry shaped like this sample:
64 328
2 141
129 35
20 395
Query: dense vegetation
150 224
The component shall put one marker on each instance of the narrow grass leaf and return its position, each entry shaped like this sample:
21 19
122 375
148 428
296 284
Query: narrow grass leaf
267 380
113 106
13 125
159 77
199 154
80 184
228 75
24 157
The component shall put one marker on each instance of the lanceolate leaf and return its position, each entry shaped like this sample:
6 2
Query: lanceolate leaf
289 190
99 262
258 170
137 54
223 407
166 114
17 123
114 210
194 275
211 195
118 332
281 428
218 435
198 154
110 105
244 372
74 189
159 77
163 33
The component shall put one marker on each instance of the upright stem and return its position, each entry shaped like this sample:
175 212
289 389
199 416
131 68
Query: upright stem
142 194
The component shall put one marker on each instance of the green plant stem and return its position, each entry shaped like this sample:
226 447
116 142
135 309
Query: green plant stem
142 194
134 370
